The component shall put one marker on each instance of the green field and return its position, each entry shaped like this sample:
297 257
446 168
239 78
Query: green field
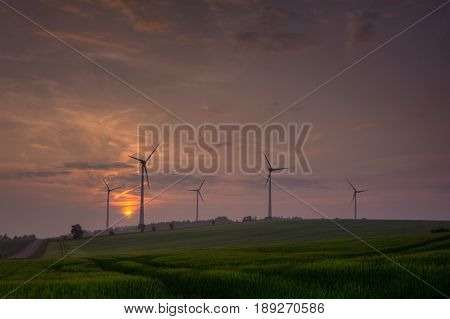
276 259
9 247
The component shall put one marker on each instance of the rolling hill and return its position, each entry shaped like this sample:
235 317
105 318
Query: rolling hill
241 234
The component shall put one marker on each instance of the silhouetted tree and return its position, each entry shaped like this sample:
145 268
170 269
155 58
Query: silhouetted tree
111 232
213 222
153 228
76 231
171 226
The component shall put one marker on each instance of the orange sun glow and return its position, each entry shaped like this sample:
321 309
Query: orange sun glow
127 211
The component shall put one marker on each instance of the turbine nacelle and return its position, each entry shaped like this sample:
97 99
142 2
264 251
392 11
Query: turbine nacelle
108 189
271 169
144 163
198 190
356 191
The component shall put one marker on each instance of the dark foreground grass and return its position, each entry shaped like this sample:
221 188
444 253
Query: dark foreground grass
343 268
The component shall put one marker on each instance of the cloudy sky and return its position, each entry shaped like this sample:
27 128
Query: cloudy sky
65 124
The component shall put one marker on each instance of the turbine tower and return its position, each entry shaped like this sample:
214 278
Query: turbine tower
269 180
198 190
354 199
143 163
108 190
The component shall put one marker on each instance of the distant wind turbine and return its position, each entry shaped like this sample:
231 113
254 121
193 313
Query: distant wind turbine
108 190
143 163
354 199
269 180
198 191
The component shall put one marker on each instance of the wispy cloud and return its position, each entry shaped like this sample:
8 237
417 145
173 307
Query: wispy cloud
363 126
132 11
33 174
260 27
41 146
97 40
360 27
76 10
269 42
16 58
218 5
96 166
27 121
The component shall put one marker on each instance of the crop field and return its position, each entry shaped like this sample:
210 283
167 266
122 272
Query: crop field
276 259
9 247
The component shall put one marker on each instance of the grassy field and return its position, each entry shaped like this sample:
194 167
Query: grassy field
9 247
277 259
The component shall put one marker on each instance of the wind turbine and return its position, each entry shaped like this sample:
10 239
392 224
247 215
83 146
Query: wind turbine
143 163
108 190
198 190
355 192
269 180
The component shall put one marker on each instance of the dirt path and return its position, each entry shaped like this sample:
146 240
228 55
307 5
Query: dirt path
32 250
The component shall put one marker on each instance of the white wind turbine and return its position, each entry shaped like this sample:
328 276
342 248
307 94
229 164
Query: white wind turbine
143 163
354 199
269 180
198 191
108 190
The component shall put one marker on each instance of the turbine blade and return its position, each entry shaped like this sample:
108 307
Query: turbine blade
107 186
201 196
117 188
152 153
267 179
201 185
267 160
351 184
279 169
353 199
146 175
137 159
362 191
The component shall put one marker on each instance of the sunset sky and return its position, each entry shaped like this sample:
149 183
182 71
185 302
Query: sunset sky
65 124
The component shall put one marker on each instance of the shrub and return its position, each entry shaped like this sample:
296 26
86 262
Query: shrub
76 231
440 230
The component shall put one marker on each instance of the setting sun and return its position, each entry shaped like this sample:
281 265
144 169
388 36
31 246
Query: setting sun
127 211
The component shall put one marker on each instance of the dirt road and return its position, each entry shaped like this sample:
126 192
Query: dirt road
32 250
